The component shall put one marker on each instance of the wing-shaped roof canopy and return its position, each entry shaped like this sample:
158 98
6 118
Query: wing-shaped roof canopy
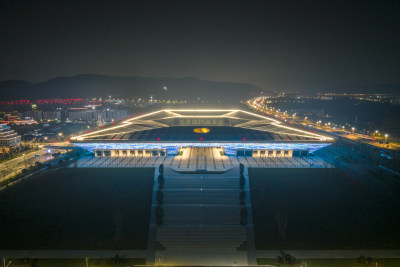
178 125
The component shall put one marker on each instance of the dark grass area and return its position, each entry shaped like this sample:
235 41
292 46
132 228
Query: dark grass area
123 262
331 263
325 209
78 209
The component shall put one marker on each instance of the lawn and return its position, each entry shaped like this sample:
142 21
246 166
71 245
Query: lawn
76 262
320 209
78 209
330 263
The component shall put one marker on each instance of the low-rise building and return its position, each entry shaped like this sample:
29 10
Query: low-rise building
101 116
46 115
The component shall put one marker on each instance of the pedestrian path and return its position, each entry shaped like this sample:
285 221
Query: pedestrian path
201 222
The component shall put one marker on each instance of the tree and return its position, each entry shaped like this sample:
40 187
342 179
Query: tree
117 259
243 216
241 169
118 219
161 181
242 197
160 197
242 181
365 260
286 258
159 214
281 221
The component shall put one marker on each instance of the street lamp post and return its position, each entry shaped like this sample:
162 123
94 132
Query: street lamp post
386 138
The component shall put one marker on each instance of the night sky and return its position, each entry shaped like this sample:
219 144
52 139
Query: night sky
278 46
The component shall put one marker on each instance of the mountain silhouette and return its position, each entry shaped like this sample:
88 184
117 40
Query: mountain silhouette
92 85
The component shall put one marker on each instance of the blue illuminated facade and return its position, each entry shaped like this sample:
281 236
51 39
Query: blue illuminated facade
230 148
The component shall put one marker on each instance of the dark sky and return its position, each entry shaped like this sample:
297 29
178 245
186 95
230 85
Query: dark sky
273 44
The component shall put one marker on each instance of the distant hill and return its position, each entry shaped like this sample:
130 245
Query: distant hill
89 85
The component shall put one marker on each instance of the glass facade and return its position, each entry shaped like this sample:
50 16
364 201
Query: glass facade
230 148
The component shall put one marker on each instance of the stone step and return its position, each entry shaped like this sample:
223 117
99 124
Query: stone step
221 215
195 237
201 197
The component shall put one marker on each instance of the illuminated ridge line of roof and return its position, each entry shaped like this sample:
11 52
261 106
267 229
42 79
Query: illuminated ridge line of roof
173 111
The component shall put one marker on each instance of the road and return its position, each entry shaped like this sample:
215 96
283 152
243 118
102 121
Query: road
14 166
378 141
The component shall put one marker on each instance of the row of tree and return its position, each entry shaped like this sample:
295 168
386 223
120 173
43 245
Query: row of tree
242 196
159 211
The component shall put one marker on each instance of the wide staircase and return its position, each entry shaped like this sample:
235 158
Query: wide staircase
201 223
208 237
200 159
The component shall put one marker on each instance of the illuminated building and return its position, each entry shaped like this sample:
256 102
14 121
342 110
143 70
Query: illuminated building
93 115
8 139
46 115
234 132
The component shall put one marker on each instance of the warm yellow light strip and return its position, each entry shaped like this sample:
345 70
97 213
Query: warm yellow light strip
176 114
282 133
230 113
263 117
277 123
301 131
202 110
130 131
205 116
166 118
123 124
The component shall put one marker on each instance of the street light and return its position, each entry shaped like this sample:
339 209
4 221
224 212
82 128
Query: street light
386 138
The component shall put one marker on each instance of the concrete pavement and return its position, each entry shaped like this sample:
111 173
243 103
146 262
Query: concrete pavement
272 254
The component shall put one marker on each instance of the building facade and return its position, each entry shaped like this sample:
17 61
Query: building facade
99 116
232 132
9 139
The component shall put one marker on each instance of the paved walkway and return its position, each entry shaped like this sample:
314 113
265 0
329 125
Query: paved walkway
201 224
301 254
